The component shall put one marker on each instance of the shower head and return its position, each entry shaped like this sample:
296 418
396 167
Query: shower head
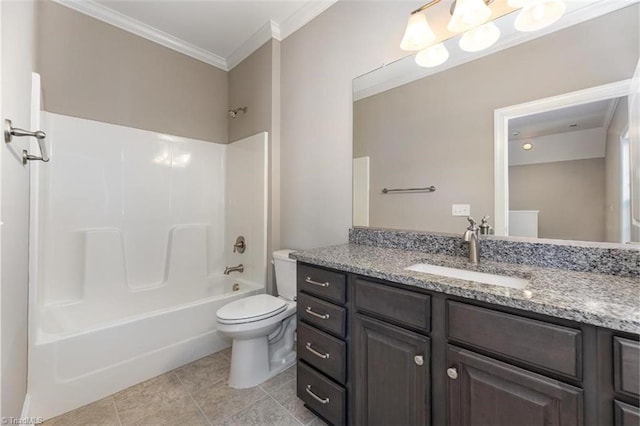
233 113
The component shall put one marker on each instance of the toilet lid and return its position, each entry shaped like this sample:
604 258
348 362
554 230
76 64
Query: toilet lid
252 308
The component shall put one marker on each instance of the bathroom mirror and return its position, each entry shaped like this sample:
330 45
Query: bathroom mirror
421 128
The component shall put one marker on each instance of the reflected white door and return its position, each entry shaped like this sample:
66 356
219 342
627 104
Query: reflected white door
634 144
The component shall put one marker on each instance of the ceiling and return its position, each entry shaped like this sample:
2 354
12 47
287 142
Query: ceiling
591 115
219 32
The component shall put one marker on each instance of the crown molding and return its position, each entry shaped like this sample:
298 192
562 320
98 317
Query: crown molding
303 16
267 32
404 70
273 30
124 22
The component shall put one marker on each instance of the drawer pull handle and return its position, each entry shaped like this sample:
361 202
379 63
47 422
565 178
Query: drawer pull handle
315 314
316 353
452 373
310 281
316 397
418 359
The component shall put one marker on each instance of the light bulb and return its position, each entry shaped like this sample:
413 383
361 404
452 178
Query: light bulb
432 56
418 34
537 14
468 14
480 38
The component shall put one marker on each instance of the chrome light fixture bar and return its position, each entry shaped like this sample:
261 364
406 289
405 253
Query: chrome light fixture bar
474 19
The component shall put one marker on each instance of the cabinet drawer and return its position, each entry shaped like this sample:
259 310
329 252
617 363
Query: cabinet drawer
549 346
326 284
323 351
401 306
324 315
626 415
626 366
321 394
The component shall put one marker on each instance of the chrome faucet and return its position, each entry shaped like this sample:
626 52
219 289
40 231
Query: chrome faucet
230 269
471 236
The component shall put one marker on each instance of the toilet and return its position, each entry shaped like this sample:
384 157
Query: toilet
262 328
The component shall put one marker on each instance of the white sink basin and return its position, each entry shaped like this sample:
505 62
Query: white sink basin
463 274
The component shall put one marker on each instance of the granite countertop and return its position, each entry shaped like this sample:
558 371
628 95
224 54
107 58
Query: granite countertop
598 299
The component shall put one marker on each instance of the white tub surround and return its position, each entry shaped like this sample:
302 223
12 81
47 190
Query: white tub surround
129 242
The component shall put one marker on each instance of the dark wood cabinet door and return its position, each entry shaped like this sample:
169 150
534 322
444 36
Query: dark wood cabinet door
626 415
483 391
391 375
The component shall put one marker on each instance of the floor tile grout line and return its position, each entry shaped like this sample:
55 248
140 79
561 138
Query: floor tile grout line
266 395
115 407
193 399
278 387
284 408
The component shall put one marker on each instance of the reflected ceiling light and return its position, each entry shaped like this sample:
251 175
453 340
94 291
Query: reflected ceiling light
538 14
432 56
468 14
527 146
480 38
470 17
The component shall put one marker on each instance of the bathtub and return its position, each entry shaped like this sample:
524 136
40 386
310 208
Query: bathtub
83 352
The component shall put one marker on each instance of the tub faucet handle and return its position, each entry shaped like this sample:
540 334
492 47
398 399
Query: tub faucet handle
240 246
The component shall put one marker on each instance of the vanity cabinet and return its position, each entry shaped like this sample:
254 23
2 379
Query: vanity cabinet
373 352
626 380
322 350
391 374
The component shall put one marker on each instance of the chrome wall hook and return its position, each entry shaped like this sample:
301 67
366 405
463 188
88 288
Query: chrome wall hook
10 132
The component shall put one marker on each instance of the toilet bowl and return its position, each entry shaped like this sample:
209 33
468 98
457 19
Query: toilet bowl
262 328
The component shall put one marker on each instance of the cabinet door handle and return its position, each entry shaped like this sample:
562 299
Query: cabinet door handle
316 353
315 314
316 397
418 359
452 373
310 281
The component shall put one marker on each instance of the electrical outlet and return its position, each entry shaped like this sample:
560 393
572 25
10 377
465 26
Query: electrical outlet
460 209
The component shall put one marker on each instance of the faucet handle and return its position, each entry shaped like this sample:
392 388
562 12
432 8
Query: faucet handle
485 228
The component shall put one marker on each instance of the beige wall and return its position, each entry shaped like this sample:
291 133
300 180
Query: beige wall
613 173
439 130
255 83
319 62
96 71
569 194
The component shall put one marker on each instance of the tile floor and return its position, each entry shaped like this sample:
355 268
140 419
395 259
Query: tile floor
197 394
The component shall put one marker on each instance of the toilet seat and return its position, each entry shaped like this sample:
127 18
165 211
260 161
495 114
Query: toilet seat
251 309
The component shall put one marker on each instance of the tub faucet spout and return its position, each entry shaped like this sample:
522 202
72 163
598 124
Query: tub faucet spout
230 269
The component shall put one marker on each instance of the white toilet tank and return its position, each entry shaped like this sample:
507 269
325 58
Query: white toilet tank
285 274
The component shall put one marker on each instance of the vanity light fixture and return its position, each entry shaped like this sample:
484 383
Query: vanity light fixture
473 18
418 34
468 14
527 146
